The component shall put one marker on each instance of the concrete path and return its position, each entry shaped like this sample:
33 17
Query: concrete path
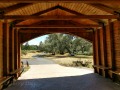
46 75
44 68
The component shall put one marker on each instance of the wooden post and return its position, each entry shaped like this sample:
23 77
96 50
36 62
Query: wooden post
19 51
15 49
105 50
104 45
5 48
99 50
94 51
10 50
112 44
1 48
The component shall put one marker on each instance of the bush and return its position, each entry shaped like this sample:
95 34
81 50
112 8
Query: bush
24 52
32 51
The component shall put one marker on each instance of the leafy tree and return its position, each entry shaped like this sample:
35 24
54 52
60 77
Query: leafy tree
41 46
61 43
29 47
26 47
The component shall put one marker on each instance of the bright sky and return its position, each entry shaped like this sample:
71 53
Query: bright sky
36 41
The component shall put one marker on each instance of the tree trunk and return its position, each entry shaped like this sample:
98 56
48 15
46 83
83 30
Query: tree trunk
53 53
71 54
82 49
62 53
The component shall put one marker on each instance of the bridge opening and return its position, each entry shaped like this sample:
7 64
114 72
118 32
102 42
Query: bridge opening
63 49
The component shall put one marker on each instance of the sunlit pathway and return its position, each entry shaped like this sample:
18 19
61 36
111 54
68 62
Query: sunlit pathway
46 75
43 68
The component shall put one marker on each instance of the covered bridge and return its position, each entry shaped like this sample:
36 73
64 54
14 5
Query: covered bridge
98 21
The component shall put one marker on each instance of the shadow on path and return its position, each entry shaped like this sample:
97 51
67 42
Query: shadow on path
84 82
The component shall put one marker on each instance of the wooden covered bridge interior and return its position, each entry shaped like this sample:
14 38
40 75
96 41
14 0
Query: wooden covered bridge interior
95 20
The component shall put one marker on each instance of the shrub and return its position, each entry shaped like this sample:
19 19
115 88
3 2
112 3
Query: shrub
24 52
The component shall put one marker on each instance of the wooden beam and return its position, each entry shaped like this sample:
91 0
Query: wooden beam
56 26
59 17
54 30
87 36
77 1
14 7
26 37
37 14
70 11
45 11
53 8
78 23
57 22
76 13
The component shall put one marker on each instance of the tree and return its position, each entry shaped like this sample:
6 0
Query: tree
29 47
26 46
68 43
41 46
61 43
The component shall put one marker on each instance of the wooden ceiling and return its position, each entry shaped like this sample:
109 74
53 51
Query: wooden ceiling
49 13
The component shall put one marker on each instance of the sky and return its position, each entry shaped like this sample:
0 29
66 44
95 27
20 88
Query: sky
36 41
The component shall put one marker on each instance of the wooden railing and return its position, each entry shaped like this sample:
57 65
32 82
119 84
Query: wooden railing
16 73
115 74
101 67
5 81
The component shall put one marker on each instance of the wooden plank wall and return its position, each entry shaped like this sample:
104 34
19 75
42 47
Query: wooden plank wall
116 32
1 51
107 48
6 49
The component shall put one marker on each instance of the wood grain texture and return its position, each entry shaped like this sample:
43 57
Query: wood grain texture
81 1
1 51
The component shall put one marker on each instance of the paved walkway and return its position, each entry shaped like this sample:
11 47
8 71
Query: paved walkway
46 75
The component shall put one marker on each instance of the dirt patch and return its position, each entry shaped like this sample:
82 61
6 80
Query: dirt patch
29 55
69 61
